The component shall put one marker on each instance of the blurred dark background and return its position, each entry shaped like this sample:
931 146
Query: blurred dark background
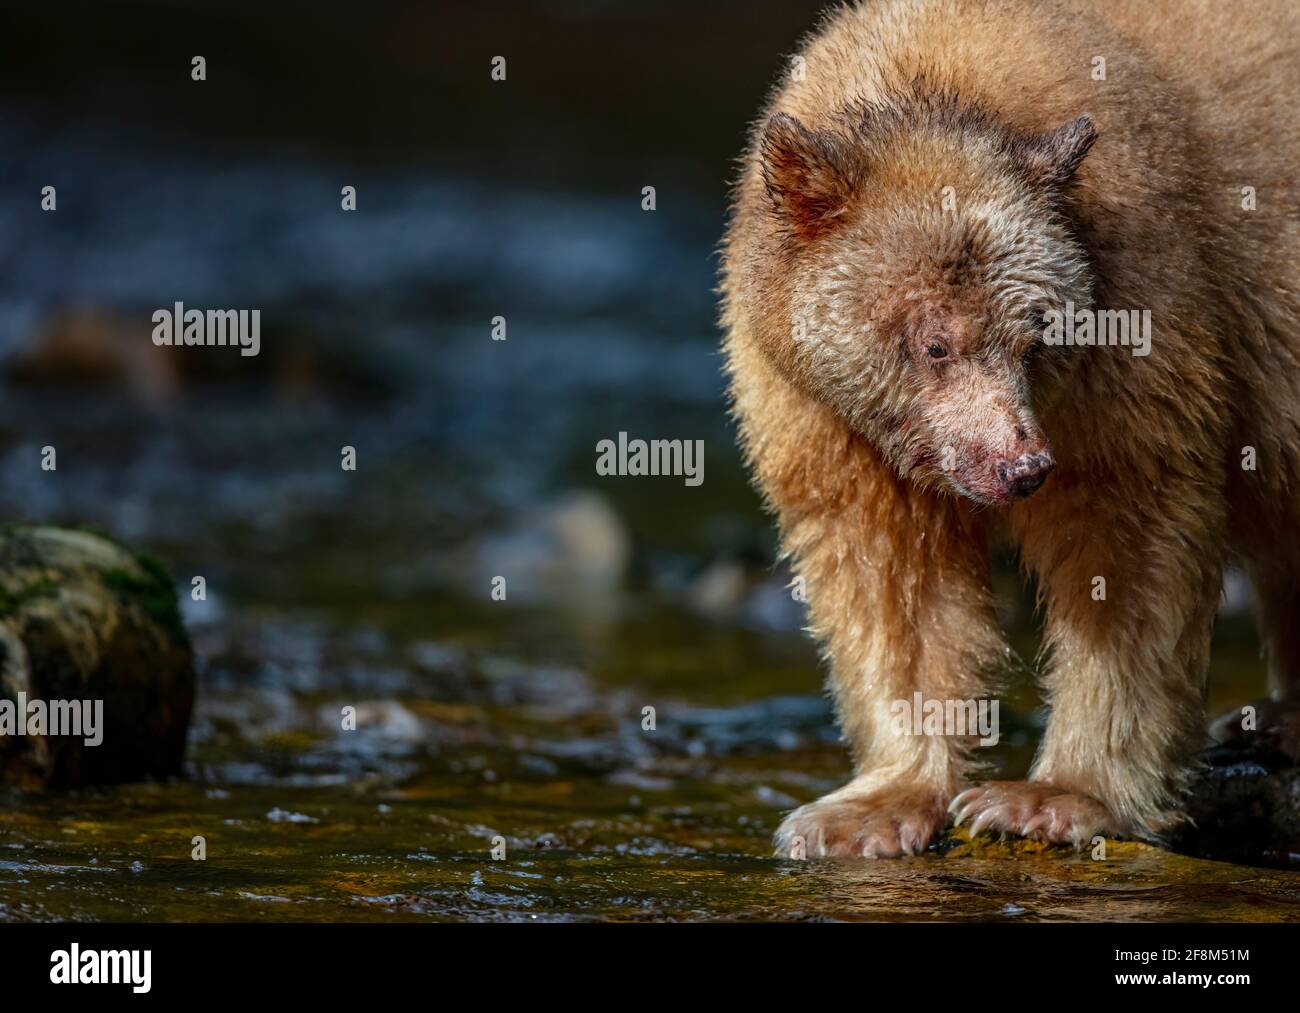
601 92
475 199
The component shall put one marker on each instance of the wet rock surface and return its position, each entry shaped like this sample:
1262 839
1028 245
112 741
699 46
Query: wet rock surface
97 676
1244 806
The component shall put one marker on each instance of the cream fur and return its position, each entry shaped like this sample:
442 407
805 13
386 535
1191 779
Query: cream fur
841 269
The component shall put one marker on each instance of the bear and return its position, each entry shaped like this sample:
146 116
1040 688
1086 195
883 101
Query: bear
932 187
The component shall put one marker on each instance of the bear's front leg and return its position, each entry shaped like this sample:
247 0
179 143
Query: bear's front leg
898 592
1131 584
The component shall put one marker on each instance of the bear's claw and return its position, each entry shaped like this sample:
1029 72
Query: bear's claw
885 823
1032 809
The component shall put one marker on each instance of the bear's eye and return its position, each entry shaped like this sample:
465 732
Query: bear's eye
937 351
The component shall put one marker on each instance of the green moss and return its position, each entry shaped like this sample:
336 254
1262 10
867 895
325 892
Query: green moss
153 592
151 588
12 600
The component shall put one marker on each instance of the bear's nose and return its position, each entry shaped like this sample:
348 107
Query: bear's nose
1026 473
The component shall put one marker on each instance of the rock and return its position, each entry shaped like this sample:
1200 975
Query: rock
1265 726
93 348
1244 807
111 350
719 591
574 550
746 591
84 620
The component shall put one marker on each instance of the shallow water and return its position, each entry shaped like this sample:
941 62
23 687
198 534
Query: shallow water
474 739
422 853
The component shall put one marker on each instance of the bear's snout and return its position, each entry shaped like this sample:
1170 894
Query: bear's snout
1023 475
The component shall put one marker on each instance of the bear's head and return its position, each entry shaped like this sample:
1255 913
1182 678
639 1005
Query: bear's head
908 254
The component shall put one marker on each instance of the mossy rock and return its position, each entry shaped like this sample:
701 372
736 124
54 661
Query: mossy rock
82 618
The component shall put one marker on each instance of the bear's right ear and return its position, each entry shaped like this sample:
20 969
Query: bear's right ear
809 174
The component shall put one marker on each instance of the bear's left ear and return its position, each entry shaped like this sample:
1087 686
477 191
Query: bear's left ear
809 174
1051 159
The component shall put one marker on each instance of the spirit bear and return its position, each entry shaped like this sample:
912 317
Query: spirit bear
931 183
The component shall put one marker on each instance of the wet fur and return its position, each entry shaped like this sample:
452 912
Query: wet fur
836 224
